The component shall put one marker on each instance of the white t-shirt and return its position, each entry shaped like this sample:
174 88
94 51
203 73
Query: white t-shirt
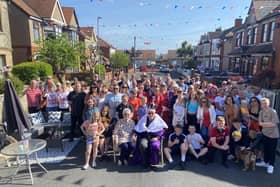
62 99
51 99
191 138
221 101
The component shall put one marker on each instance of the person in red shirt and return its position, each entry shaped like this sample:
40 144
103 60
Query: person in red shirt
135 102
141 93
166 113
219 140
34 95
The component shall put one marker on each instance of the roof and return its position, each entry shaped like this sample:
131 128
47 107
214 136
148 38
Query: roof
147 54
172 54
260 8
248 50
24 7
103 43
273 13
88 31
43 7
68 13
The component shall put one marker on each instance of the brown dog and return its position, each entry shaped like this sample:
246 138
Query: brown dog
248 158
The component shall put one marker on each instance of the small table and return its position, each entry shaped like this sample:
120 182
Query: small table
17 150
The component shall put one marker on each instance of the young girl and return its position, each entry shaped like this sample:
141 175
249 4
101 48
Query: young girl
143 109
92 129
90 109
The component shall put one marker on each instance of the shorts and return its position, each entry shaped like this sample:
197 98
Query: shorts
197 151
89 140
175 149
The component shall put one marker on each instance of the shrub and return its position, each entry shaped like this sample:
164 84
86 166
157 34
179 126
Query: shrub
27 71
17 83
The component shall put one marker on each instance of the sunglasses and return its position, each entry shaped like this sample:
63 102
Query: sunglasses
127 114
124 87
116 88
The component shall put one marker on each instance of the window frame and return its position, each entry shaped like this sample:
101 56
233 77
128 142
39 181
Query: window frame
36 27
264 32
271 32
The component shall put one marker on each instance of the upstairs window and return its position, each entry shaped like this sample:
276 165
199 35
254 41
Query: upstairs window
255 35
272 27
249 36
264 32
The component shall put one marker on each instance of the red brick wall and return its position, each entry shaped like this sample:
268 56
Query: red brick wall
276 46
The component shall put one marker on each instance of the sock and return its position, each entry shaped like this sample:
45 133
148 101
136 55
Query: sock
170 160
183 158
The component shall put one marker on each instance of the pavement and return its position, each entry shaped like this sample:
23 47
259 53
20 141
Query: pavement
69 173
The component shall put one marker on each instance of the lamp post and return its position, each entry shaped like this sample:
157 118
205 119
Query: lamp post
99 54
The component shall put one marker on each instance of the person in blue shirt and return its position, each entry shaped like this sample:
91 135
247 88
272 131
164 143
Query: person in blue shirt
113 100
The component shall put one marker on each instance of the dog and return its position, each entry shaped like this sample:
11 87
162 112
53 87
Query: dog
248 157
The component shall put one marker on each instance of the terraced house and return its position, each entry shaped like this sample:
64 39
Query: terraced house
5 36
256 46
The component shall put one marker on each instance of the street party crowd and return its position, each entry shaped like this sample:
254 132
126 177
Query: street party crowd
192 118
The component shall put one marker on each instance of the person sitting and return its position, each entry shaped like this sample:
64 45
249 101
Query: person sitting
149 130
196 143
239 136
123 133
219 140
177 143
92 129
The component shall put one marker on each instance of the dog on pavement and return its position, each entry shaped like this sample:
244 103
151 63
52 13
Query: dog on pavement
248 157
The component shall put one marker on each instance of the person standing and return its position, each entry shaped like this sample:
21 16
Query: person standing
76 102
33 94
268 120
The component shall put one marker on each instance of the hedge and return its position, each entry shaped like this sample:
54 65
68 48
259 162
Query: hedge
17 83
28 71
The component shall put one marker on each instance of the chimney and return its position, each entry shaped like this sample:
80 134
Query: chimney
237 22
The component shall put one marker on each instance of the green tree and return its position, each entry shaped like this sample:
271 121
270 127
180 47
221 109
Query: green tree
186 52
99 68
60 52
119 60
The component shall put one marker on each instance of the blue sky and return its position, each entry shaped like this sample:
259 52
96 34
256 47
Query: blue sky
157 24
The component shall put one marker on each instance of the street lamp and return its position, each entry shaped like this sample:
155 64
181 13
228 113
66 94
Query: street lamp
98 18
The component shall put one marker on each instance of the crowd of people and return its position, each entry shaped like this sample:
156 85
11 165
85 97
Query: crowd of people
193 118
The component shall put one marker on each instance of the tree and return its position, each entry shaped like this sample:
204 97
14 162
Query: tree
99 68
119 60
186 52
60 52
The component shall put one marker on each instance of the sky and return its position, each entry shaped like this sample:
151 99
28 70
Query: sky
157 24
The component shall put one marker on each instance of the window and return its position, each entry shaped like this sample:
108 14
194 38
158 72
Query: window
238 38
249 36
264 63
36 31
2 64
255 35
0 21
272 26
264 32
242 39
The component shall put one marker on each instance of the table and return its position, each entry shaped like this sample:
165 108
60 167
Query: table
18 150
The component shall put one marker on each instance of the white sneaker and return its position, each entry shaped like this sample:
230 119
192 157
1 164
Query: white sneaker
262 164
85 167
270 169
230 157
93 164
125 162
119 162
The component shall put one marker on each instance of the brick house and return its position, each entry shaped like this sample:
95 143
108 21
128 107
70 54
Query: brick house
72 27
30 22
5 36
256 47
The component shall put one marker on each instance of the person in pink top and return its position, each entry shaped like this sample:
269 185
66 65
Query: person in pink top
34 95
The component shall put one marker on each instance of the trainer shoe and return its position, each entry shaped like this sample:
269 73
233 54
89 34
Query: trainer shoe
183 165
262 164
85 167
171 165
93 164
230 157
270 169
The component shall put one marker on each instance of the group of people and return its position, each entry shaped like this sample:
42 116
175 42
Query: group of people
190 117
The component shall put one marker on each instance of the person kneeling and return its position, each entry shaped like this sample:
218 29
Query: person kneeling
177 143
219 140
196 141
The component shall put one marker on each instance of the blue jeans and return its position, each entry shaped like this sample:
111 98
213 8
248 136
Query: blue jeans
126 150
51 109
205 133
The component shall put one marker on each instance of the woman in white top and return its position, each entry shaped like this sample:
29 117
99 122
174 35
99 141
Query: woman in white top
206 116
62 100
179 109
51 97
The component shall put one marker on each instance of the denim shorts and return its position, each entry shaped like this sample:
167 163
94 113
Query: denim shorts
90 140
